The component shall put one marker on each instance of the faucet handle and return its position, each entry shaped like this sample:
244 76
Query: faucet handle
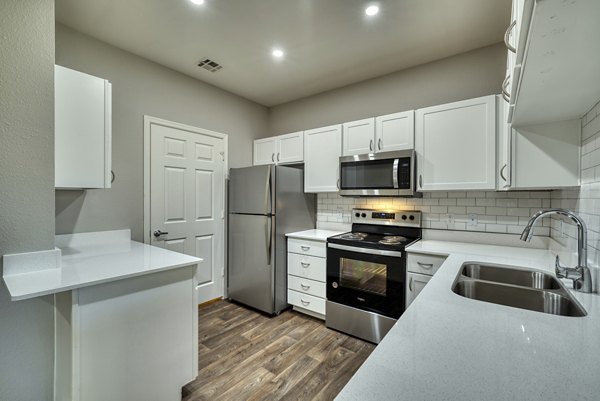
561 271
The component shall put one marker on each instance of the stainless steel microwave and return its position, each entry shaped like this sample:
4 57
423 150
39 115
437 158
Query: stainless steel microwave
379 174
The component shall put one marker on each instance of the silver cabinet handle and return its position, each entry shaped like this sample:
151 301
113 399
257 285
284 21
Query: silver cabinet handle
502 172
304 247
507 37
420 181
505 93
304 264
304 302
379 143
305 287
371 145
278 156
158 233
338 184
273 157
425 265
410 284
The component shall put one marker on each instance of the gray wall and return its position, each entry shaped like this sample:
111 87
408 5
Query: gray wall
476 73
27 189
142 87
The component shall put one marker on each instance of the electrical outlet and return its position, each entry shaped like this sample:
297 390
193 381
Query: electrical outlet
450 219
472 221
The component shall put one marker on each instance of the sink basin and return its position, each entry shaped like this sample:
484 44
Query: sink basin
519 297
516 287
506 275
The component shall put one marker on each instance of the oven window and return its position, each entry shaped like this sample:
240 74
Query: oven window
363 276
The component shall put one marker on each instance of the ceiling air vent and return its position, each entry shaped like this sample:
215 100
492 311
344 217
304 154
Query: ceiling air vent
210 65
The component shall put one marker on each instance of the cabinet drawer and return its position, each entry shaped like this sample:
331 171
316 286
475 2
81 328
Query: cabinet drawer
307 247
305 301
309 267
306 286
424 264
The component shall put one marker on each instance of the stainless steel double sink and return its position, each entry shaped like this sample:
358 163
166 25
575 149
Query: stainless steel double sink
517 287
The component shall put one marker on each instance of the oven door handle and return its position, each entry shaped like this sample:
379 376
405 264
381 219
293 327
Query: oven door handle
395 173
369 251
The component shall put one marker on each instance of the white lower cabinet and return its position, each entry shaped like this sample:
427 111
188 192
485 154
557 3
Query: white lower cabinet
420 269
115 340
307 273
415 284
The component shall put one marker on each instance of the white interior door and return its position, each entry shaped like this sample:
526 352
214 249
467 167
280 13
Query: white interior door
187 181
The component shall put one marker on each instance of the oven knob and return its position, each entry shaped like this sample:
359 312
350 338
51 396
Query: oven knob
403 217
334 284
364 215
357 214
412 217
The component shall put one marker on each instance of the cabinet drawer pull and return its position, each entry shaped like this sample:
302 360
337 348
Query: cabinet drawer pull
410 284
273 157
304 302
379 143
304 247
371 145
420 181
502 172
507 37
425 265
278 156
305 264
305 287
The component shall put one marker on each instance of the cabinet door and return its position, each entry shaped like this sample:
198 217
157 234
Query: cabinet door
82 141
395 131
415 283
456 145
290 148
359 137
322 151
503 168
265 151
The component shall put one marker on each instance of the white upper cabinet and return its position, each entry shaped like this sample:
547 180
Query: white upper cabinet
395 131
456 145
551 65
322 150
290 148
358 137
82 141
265 151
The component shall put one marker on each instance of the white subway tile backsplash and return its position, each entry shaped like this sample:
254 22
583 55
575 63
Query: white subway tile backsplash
496 211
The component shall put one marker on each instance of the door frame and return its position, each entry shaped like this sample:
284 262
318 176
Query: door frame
148 121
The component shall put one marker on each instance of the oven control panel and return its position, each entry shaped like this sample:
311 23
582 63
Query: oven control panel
405 218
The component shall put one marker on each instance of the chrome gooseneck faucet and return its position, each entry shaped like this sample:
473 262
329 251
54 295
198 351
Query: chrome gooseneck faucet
581 276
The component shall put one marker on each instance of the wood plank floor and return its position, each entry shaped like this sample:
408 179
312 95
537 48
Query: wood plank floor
245 355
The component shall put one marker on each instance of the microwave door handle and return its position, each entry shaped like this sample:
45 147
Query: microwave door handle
395 172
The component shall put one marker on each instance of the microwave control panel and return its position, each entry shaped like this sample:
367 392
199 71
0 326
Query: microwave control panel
404 173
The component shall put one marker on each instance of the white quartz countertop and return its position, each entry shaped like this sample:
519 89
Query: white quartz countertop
447 347
314 235
95 259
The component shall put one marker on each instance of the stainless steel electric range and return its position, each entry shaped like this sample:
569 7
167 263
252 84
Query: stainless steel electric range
366 272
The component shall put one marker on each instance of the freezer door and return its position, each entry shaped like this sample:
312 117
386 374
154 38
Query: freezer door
251 190
252 260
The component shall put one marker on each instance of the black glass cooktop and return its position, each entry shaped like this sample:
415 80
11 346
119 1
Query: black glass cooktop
390 240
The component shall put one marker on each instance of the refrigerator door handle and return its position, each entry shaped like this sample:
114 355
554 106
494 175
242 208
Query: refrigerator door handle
268 190
269 235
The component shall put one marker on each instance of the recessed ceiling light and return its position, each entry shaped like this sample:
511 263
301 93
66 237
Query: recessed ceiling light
278 53
197 2
371 10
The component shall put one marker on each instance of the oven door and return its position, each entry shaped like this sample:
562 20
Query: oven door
367 279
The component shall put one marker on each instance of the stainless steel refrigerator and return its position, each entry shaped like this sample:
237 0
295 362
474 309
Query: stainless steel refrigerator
265 203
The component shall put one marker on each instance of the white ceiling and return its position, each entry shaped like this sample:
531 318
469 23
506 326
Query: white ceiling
328 43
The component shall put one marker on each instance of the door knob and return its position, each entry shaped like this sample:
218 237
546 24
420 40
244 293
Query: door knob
158 233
